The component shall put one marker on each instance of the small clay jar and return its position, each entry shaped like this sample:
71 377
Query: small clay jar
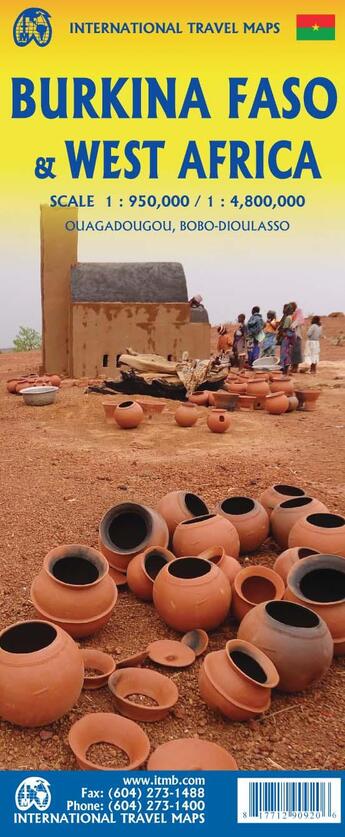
237 386
309 397
286 514
259 388
249 518
127 530
199 398
109 410
246 402
295 638
55 380
321 531
238 680
128 414
74 590
285 384
126 682
229 565
108 728
277 403
277 494
144 568
192 593
218 421
318 582
186 415
289 557
191 754
252 586
293 403
180 505
191 537
41 673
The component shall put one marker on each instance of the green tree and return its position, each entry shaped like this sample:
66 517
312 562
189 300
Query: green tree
27 339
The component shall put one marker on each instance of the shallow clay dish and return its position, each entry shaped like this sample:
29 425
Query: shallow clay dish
191 754
169 652
120 579
133 660
150 684
102 663
105 727
197 640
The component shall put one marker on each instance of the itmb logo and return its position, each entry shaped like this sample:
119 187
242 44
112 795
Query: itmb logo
33 792
32 25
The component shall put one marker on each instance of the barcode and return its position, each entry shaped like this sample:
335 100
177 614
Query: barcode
289 800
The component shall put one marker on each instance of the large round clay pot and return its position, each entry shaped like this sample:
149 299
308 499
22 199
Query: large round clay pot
74 590
41 673
237 386
321 531
128 529
143 681
192 593
106 727
237 681
277 403
318 582
193 536
309 398
180 505
252 586
259 388
277 494
295 638
229 565
218 421
186 415
286 514
128 414
283 385
144 568
249 518
191 754
289 557
199 398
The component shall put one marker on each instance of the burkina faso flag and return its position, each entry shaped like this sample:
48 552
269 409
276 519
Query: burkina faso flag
315 27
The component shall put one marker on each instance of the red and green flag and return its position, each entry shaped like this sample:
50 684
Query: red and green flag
315 27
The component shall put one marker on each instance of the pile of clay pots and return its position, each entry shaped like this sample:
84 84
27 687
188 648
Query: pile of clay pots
272 391
15 385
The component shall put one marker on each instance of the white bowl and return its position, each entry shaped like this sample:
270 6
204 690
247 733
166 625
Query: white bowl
39 396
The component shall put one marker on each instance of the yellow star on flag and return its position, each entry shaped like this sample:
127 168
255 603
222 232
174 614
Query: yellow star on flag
315 27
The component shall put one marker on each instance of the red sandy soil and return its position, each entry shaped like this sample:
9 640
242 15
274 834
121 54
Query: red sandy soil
62 467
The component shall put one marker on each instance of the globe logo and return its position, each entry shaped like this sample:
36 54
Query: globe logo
32 25
33 791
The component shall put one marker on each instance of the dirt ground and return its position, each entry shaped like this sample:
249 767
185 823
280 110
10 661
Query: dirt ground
61 467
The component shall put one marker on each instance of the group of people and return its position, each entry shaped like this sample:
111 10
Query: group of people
257 338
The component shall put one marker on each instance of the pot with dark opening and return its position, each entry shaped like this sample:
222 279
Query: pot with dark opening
128 414
127 530
252 586
289 557
277 494
192 537
286 514
144 568
325 532
249 518
74 589
295 638
192 593
229 565
318 582
180 505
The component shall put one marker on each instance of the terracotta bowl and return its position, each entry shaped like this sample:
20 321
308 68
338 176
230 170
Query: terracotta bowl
169 652
151 408
133 660
100 662
191 754
143 681
113 729
197 640
253 585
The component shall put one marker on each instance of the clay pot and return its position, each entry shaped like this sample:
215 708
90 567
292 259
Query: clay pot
106 727
143 681
192 593
170 653
309 398
287 559
102 664
229 565
55 380
151 408
260 376
133 660
237 681
22 385
218 421
127 530
276 376
180 505
246 402
240 387
200 398
144 568
277 494
318 582
109 410
128 414
249 518
74 590
120 579
284 384
11 385
191 754
321 531
41 673
186 415
192 537
224 400
295 638
293 403
277 403
286 514
197 640
252 586
259 388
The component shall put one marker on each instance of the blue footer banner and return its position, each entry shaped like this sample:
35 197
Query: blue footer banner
169 802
